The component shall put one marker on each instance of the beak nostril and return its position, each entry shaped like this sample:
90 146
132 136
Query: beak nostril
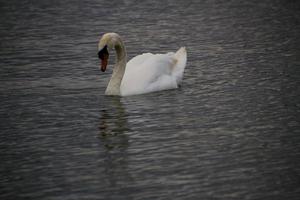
103 55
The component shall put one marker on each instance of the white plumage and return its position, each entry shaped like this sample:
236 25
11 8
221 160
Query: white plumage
144 73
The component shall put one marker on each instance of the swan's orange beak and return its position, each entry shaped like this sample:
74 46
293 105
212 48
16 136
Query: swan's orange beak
104 62
103 55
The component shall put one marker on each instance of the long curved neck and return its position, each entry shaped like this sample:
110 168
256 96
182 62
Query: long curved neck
114 84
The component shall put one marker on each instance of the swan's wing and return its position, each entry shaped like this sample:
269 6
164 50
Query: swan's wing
153 72
174 65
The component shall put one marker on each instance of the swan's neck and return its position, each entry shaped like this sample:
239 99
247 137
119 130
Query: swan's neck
114 84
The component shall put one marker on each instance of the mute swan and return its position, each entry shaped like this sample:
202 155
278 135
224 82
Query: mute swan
142 74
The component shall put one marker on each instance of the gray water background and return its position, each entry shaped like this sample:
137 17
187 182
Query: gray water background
230 132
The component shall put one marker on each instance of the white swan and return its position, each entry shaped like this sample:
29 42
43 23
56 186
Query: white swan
143 73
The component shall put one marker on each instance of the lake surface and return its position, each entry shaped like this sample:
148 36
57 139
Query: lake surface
232 131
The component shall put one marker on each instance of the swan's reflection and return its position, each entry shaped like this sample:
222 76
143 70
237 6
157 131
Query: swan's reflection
113 124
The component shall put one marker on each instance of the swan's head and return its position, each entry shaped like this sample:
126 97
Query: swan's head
107 42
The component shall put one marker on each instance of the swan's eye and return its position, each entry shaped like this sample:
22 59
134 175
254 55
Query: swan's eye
103 53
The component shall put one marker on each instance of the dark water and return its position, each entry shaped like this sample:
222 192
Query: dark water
230 132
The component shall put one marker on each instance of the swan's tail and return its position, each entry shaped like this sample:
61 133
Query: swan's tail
181 57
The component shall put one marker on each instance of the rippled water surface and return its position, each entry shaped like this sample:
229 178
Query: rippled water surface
230 132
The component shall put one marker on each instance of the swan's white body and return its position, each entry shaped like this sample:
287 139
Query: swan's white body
144 73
